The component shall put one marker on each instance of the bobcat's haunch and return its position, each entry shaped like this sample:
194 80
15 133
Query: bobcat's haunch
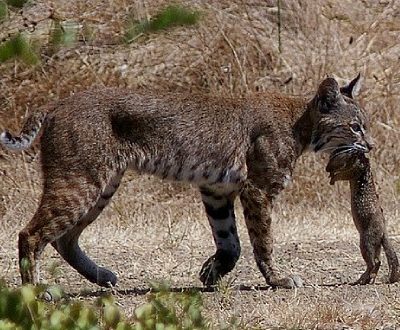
229 147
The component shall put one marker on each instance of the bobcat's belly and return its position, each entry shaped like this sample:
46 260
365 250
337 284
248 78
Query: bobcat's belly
205 173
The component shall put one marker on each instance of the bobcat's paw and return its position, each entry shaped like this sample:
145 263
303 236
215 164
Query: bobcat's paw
104 278
221 263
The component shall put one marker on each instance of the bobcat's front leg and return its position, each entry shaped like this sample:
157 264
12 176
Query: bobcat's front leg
257 212
221 216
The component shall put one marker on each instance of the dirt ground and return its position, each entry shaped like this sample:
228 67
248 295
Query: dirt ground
157 231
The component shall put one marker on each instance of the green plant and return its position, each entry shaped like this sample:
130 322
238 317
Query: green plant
62 34
38 307
170 310
169 17
18 47
16 3
3 11
28 307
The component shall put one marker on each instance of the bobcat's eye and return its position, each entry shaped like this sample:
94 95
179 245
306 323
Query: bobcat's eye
356 128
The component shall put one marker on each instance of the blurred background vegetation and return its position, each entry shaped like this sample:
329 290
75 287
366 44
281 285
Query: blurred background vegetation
52 49
48 308
49 50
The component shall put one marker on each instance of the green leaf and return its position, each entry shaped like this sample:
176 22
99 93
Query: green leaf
18 47
3 11
169 17
63 33
17 3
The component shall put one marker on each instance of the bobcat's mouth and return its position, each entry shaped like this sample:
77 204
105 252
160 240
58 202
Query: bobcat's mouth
361 147
348 151
325 146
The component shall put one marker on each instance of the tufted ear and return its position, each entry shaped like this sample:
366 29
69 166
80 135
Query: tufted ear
328 95
353 87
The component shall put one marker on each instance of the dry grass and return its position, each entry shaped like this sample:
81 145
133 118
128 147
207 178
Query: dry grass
159 230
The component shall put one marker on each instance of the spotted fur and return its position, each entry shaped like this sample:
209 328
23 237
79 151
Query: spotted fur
229 147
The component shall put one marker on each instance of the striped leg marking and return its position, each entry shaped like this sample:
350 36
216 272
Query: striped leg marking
221 216
59 220
68 245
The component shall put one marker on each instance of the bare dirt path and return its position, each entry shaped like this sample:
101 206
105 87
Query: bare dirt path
162 235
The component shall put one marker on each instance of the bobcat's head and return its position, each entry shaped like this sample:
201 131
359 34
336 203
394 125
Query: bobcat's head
339 122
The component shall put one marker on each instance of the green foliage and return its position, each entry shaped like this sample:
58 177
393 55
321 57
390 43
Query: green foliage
16 3
170 310
3 11
18 47
21 309
169 17
62 34
29 307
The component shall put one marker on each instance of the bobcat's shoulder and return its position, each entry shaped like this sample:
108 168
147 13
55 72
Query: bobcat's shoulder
242 147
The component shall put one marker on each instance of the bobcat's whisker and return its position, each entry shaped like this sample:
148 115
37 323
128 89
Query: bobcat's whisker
336 147
346 151
228 147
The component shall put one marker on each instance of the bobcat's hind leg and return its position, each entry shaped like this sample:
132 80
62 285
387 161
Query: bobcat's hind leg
257 213
55 216
221 216
64 202
68 245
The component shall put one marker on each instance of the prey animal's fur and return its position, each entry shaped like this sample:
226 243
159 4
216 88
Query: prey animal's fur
355 167
229 147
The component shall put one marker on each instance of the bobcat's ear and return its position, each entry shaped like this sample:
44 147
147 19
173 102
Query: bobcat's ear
328 95
352 88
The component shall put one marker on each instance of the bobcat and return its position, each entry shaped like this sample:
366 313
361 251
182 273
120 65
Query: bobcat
228 147
354 166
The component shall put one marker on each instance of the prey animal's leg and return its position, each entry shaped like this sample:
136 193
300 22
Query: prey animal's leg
373 236
371 232
370 247
68 245
393 261
221 216
257 209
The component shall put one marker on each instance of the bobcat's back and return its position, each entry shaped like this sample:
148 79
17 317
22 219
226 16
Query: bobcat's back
228 147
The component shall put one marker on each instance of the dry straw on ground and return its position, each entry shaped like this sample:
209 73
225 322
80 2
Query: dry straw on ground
159 230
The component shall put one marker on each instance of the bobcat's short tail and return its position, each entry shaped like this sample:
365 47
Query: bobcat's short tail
28 134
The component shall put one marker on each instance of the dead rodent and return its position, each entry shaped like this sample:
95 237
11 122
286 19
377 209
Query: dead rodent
354 166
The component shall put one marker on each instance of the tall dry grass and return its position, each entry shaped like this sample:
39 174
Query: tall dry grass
233 50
